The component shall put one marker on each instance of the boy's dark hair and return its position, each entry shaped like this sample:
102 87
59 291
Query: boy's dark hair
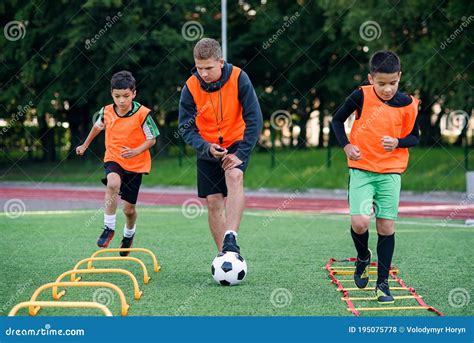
123 80
384 62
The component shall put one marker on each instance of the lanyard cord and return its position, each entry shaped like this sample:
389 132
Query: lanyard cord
221 139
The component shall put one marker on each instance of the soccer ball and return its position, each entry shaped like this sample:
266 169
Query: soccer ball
229 268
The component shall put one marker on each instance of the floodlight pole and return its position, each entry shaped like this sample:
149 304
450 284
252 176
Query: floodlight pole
224 28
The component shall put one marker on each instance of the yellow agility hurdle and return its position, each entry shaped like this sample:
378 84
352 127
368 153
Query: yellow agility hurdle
33 310
65 304
136 288
156 266
146 278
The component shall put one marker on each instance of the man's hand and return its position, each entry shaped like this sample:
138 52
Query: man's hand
128 152
352 152
230 161
217 151
81 149
389 143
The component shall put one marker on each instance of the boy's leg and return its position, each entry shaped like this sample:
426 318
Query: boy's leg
387 195
360 235
110 208
129 192
130 218
361 198
385 247
111 193
129 227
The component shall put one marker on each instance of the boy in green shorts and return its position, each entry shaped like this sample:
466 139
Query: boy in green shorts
377 153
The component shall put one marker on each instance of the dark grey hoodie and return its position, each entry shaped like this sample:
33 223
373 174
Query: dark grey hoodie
251 113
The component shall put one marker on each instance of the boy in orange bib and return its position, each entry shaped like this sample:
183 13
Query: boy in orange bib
129 134
377 153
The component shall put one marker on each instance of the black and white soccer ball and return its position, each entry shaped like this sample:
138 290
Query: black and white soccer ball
229 268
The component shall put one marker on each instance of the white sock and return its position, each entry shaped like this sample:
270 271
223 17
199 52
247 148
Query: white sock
129 232
230 231
109 221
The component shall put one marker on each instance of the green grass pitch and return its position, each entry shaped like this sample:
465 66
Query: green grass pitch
283 251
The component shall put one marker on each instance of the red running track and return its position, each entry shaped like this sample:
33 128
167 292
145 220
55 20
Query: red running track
458 211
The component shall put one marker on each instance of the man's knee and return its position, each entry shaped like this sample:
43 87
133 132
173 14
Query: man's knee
234 178
215 202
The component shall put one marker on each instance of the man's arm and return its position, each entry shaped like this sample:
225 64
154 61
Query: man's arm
187 123
252 115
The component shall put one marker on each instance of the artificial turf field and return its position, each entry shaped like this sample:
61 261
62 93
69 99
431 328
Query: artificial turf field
283 250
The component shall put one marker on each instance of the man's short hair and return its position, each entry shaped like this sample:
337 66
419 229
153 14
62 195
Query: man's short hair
384 62
123 80
207 48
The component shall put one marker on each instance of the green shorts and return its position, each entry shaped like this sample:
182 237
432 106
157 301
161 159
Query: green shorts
374 194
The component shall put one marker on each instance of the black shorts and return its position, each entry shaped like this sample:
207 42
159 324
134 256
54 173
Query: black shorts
211 176
129 182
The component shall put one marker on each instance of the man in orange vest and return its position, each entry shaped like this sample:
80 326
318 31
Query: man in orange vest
377 153
220 117
129 134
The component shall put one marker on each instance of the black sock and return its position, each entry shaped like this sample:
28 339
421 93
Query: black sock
361 243
385 247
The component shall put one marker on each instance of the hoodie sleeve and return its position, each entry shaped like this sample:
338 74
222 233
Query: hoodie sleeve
187 123
252 115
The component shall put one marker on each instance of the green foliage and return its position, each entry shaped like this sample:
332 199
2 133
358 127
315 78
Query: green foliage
300 55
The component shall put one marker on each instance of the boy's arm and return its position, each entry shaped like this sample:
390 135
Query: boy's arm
352 103
151 132
95 130
390 143
129 153
412 139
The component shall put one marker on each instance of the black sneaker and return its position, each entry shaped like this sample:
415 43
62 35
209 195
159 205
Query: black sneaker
126 243
105 238
361 273
382 292
230 244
